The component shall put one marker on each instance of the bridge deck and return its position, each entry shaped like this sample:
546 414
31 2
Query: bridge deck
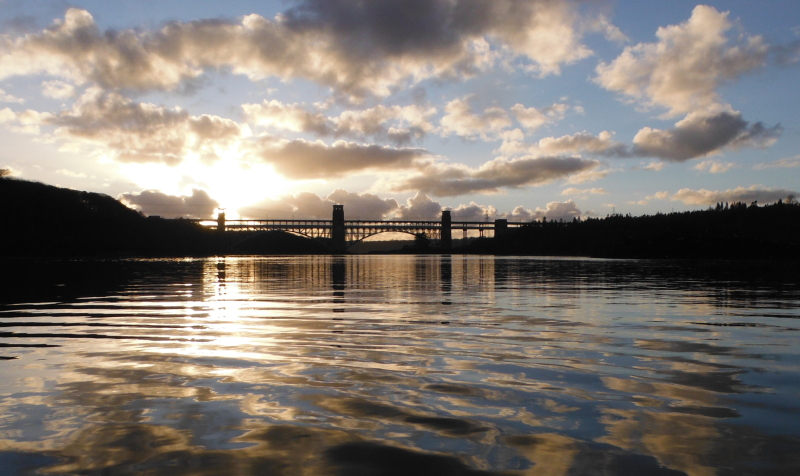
355 224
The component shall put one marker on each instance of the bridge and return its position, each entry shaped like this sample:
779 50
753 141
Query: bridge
341 233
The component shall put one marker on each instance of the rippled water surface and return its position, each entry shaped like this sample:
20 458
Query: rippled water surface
395 365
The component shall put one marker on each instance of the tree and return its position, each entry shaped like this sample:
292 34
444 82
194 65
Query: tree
421 241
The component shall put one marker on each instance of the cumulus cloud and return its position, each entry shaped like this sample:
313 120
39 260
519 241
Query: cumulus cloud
554 211
364 206
400 125
654 166
57 89
356 48
601 144
420 207
590 175
302 159
739 194
701 134
682 71
309 206
714 166
450 180
290 117
151 202
532 118
646 200
142 132
24 122
461 120
5 97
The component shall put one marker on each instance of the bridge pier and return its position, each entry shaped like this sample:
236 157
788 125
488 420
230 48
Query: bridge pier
500 227
447 230
338 236
221 222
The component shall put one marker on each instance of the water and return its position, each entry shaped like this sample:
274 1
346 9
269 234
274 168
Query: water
395 365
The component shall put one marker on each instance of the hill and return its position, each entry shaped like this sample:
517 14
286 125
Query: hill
44 220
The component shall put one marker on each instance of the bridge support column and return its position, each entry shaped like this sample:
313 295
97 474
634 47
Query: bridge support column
221 222
500 227
338 242
446 231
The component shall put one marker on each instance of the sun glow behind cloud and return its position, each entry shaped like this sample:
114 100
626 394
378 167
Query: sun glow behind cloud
234 184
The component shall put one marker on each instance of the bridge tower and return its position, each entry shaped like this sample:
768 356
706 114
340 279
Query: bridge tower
338 242
446 231
500 227
221 220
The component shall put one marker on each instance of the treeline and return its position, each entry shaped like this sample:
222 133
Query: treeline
39 220
726 231
42 220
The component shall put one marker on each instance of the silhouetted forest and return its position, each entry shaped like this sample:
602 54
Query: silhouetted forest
727 231
43 220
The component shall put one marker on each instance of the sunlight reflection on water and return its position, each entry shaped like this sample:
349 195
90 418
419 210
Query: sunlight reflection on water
396 364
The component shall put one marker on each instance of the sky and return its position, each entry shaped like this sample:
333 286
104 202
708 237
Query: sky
399 109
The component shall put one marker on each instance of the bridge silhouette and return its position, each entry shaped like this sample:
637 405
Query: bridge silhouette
341 233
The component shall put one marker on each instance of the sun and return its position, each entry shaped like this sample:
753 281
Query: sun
228 180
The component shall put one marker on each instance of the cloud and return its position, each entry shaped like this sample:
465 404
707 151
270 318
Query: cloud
356 48
590 175
57 89
646 200
601 144
5 97
739 194
8 171
788 162
151 202
364 206
554 211
25 122
301 159
420 207
714 166
459 119
143 132
655 166
601 24
700 134
400 125
307 205
449 180
583 192
289 117
682 71
788 54
532 118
